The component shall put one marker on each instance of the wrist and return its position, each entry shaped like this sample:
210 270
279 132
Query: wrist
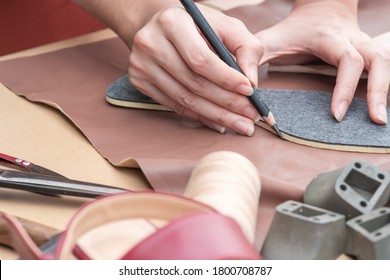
125 18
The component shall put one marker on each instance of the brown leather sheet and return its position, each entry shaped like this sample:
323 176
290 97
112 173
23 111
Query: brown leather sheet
164 145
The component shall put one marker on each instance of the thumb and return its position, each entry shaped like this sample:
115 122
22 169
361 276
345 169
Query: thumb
248 58
272 44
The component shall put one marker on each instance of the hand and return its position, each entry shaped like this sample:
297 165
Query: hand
383 41
171 63
328 30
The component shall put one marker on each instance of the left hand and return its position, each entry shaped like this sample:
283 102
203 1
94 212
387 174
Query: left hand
329 30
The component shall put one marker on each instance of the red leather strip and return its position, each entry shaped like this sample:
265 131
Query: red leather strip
199 236
20 240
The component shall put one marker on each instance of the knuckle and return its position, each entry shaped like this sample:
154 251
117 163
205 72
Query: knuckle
198 61
222 117
383 57
133 80
379 57
237 23
133 62
137 83
355 57
347 88
258 46
178 108
196 83
328 30
232 101
143 40
167 17
136 65
185 99
386 59
380 91
226 82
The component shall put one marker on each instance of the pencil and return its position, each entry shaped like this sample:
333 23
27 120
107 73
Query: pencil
225 55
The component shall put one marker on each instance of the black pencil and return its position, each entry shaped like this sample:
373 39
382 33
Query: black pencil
225 55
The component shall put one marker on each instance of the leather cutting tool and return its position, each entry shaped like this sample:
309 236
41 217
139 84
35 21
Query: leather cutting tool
38 179
27 166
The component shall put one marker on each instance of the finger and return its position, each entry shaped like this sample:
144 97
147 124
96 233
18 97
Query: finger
281 46
186 100
202 87
383 41
170 93
378 66
242 126
247 49
172 62
350 67
196 53
156 94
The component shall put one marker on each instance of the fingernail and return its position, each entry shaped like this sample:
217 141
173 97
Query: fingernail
382 113
341 110
217 127
244 89
251 113
244 127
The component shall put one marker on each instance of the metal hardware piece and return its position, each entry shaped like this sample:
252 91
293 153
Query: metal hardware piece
368 235
356 189
304 232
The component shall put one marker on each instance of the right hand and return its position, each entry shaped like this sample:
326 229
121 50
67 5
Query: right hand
171 62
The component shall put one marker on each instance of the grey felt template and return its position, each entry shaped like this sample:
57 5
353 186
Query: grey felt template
299 113
122 91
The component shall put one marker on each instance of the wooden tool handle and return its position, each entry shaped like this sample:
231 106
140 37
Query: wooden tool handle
39 233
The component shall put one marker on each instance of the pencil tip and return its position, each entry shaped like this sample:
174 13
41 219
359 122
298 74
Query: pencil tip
270 120
276 129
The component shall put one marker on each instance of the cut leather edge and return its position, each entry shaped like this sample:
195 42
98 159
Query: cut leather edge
20 240
137 105
326 146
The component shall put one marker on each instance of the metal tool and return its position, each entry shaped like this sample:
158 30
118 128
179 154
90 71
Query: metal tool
53 185
304 232
368 235
26 166
358 188
35 178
